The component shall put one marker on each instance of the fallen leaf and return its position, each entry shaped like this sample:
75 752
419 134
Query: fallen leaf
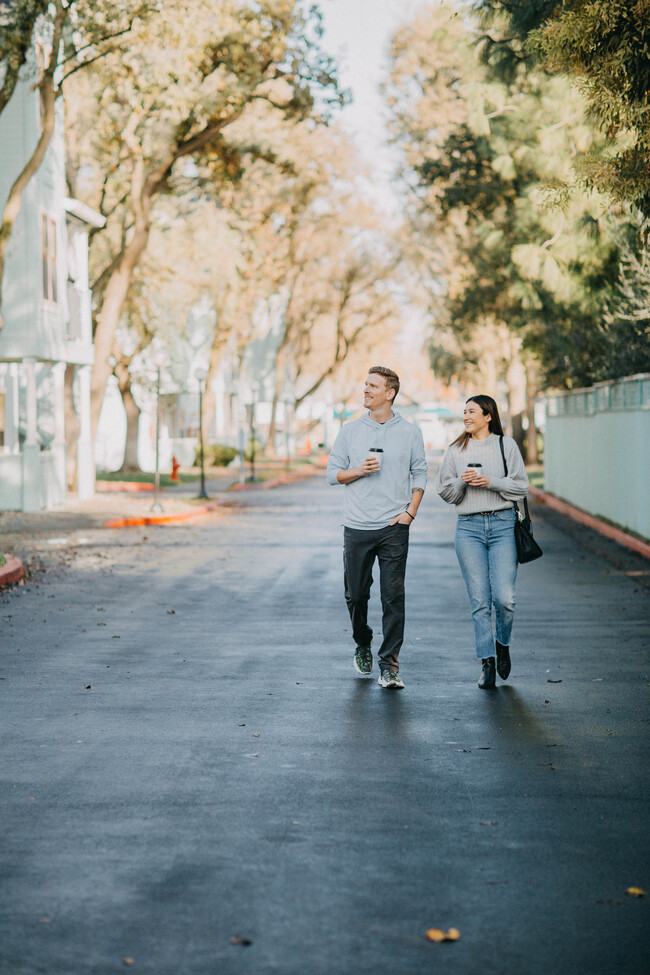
635 892
437 935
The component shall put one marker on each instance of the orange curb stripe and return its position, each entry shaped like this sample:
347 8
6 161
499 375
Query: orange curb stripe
11 571
159 519
123 487
617 534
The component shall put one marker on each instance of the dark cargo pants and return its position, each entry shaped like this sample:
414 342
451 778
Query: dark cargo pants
360 549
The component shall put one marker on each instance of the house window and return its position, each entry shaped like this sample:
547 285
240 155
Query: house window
49 258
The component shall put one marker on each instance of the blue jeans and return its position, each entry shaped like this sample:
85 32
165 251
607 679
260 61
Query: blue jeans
485 546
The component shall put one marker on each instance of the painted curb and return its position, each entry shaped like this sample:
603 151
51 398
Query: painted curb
160 519
123 487
617 534
12 571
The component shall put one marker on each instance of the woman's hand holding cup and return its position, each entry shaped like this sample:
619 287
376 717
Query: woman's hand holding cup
474 476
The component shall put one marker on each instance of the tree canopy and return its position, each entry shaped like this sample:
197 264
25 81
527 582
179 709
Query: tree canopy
190 106
521 292
603 46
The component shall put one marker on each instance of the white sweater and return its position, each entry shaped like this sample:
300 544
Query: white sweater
502 490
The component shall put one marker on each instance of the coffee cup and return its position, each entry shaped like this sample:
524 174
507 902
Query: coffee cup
477 468
376 453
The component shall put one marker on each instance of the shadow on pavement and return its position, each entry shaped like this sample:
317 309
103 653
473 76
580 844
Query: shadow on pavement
510 714
374 713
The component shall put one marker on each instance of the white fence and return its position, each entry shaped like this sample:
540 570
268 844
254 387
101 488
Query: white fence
597 451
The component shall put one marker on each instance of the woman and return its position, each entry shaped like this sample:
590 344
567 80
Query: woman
473 478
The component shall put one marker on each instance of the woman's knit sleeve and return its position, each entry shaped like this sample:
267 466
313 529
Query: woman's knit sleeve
449 486
515 485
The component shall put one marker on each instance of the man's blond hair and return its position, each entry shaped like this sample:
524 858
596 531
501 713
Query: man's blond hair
392 379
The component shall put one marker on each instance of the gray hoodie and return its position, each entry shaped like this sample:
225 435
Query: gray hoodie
373 501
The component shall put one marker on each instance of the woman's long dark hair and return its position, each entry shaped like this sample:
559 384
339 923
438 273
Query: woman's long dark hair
487 405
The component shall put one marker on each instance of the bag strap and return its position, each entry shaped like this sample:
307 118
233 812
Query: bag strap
505 468
503 454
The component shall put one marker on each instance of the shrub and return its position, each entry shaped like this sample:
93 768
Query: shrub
215 455
248 453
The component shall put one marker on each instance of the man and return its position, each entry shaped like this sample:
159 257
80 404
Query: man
380 460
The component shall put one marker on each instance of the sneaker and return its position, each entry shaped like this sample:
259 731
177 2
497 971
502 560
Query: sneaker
387 679
363 661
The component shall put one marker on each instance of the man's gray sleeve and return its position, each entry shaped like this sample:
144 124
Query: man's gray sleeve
418 462
339 459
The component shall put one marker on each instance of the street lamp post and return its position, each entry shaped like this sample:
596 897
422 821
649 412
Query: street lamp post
287 433
251 420
201 376
156 506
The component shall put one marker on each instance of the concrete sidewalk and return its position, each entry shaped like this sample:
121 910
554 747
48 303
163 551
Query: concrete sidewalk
22 535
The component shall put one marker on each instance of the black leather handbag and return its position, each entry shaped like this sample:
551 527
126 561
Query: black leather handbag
527 548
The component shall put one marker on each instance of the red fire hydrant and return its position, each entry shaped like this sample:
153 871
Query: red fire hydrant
175 466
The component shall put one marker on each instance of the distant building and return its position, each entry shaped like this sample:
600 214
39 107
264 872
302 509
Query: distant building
46 308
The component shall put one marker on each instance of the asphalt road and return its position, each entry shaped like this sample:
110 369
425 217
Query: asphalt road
190 763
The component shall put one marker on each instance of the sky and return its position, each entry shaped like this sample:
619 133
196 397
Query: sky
357 33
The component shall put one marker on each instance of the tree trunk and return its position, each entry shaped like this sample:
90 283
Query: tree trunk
532 452
209 400
109 317
130 463
72 428
516 380
280 360
489 341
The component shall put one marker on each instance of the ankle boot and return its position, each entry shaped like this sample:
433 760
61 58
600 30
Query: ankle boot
503 661
488 676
